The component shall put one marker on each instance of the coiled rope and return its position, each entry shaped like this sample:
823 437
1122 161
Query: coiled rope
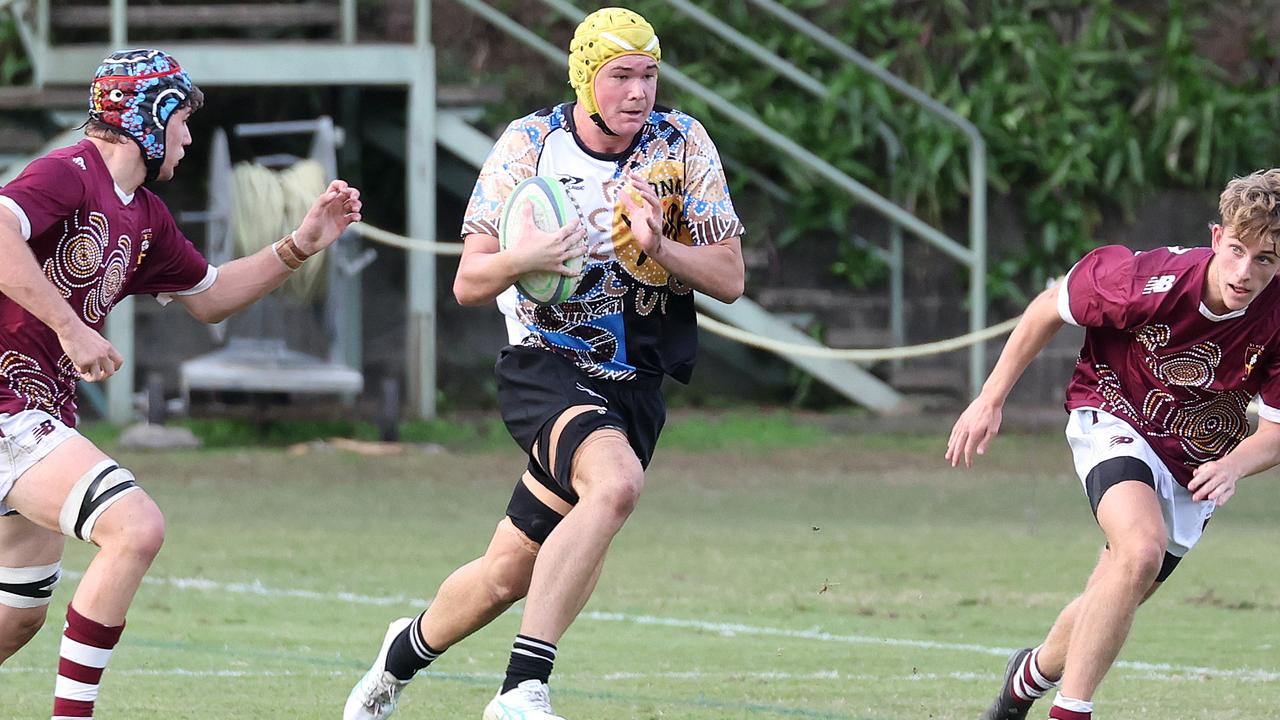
269 204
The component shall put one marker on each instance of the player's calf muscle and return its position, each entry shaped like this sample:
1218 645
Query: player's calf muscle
17 627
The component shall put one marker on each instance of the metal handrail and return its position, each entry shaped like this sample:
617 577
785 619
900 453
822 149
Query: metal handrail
977 168
893 256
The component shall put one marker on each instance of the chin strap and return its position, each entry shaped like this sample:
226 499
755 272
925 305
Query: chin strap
599 121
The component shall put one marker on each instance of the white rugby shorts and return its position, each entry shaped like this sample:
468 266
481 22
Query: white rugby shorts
1096 436
25 439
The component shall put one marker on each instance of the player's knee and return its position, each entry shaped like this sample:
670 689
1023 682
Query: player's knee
619 493
145 537
506 588
1141 560
506 578
135 527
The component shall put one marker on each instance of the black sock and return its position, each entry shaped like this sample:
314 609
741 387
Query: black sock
531 659
409 653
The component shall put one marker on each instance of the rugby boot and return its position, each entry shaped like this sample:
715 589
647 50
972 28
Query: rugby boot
376 695
530 700
1006 706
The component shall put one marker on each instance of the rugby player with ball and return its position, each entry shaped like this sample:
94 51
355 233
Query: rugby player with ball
642 218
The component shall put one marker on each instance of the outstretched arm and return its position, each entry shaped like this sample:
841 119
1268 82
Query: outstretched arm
1217 480
22 280
246 280
980 422
716 269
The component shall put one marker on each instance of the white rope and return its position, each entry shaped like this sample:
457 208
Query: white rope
386 237
854 354
737 334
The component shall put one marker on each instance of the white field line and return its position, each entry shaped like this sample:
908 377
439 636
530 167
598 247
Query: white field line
695 675
720 628
608 677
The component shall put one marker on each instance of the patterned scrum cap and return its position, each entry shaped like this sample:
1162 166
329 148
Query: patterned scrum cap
603 35
138 91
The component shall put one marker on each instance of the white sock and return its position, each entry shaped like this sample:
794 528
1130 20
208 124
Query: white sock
1072 704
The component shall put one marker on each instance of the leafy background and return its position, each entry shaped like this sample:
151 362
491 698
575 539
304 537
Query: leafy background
1087 107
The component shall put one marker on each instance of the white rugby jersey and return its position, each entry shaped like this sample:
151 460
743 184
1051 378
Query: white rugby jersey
628 315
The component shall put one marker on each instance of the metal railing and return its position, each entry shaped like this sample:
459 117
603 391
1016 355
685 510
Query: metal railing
977 260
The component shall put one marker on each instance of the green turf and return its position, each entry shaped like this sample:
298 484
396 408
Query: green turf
784 581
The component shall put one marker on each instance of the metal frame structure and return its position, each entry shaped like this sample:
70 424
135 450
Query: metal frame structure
263 363
344 62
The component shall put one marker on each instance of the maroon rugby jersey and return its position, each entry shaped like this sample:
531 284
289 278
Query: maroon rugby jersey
1157 358
96 246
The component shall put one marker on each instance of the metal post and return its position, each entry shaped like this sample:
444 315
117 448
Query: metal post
119 24
421 170
41 53
897 291
120 321
978 266
350 312
120 386
348 28
422 24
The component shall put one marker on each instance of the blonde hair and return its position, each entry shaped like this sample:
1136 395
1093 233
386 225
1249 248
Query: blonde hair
1250 206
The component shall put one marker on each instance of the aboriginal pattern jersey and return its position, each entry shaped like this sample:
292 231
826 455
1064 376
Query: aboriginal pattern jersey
628 315
1155 356
95 245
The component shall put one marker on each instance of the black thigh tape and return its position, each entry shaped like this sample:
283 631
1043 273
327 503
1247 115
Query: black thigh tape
1113 471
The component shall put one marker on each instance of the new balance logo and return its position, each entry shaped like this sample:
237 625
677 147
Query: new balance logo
1159 284
43 430
1121 440
79 161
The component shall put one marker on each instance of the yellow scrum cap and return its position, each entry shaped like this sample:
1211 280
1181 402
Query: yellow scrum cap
602 36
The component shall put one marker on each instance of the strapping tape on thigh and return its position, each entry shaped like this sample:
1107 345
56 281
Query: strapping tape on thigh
94 492
28 587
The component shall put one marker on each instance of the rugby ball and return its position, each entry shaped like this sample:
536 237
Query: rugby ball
552 210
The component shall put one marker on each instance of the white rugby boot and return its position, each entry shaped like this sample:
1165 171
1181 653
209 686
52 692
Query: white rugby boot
530 700
376 695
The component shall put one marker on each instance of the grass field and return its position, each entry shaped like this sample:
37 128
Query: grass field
778 571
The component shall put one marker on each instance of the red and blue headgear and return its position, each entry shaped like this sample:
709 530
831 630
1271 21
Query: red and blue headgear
138 91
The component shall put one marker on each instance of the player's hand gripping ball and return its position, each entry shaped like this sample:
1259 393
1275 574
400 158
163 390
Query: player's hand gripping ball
552 210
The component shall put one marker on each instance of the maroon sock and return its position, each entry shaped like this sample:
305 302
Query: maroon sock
86 648
1059 713
1029 684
